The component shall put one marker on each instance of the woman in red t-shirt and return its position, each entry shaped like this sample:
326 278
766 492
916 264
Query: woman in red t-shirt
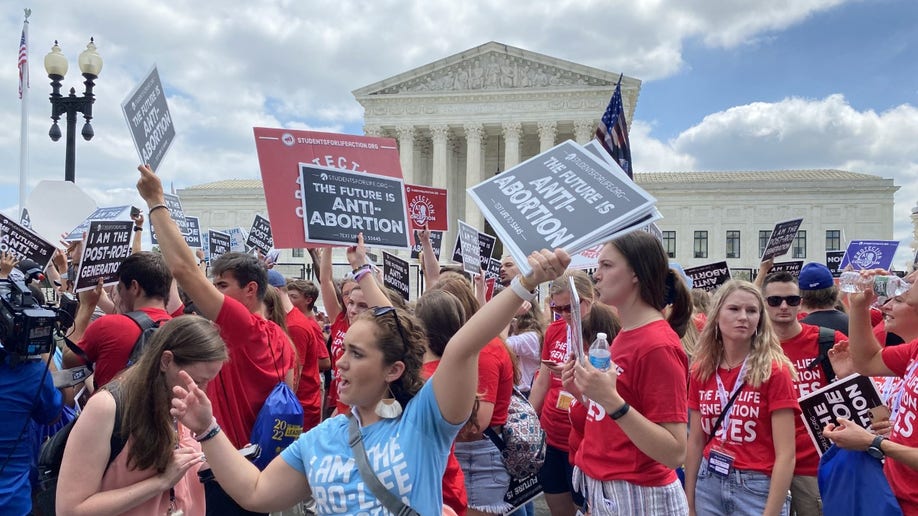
635 429
741 454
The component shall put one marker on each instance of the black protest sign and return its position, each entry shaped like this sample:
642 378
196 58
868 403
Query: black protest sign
493 270
147 115
109 213
467 250
709 277
521 491
24 244
563 198
108 243
260 236
436 241
174 205
193 238
850 398
792 268
486 245
337 205
395 274
833 262
218 244
782 237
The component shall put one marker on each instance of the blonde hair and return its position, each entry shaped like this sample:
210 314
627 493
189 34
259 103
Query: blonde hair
765 348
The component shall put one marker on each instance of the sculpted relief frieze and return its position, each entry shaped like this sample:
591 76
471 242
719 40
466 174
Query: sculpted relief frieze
483 106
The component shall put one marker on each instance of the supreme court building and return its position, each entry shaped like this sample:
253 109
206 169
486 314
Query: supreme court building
477 113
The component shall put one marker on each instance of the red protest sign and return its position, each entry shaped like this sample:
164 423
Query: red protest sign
427 205
280 151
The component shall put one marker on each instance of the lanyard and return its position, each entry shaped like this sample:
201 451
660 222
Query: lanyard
724 397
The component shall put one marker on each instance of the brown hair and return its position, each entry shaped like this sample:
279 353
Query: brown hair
409 351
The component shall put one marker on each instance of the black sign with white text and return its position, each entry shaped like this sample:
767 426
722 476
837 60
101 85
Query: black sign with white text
436 241
110 213
709 277
792 268
193 238
260 236
833 262
148 117
218 244
108 243
395 274
850 398
486 245
23 244
782 237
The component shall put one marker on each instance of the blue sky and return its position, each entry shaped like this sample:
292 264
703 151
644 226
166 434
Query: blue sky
727 84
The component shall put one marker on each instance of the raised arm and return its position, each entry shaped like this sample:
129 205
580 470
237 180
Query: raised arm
457 377
866 352
429 260
327 283
357 257
138 233
179 257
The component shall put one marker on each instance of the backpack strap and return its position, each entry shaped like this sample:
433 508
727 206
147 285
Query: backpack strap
117 441
385 497
826 341
79 352
144 322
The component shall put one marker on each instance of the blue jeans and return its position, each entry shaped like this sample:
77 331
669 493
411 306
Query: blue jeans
741 492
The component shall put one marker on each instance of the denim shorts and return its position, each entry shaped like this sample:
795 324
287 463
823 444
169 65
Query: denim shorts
741 492
486 478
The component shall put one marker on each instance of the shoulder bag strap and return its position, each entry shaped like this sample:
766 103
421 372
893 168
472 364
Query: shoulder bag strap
723 414
389 500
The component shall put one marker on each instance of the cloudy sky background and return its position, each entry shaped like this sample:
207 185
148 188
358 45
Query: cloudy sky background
728 84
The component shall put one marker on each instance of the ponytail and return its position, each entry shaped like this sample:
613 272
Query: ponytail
678 297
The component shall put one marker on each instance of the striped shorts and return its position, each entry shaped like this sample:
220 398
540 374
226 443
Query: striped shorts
621 498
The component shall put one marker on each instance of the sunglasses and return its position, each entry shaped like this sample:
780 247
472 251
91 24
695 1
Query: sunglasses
379 311
775 301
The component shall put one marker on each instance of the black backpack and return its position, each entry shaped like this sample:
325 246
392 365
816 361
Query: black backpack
826 341
147 328
52 454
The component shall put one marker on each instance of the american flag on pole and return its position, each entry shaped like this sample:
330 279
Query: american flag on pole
23 63
612 132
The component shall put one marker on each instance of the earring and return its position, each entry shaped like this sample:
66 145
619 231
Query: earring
389 408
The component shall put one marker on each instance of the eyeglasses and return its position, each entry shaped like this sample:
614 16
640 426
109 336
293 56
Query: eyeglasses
379 311
775 301
561 309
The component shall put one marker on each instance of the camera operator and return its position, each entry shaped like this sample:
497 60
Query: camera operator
26 393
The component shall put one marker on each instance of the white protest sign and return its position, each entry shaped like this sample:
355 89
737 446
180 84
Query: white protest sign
56 207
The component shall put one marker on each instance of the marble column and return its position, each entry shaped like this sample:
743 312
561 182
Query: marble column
548 129
584 131
511 132
373 130
473 134
439 134
406 151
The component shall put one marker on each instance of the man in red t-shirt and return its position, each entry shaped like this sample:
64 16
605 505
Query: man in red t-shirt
259 350
801 345
143 285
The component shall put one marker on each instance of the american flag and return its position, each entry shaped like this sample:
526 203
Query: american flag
612 132
23 63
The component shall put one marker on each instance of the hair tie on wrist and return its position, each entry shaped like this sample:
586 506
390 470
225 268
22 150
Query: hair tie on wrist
158 206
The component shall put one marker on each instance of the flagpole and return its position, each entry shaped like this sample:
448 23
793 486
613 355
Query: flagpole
24 123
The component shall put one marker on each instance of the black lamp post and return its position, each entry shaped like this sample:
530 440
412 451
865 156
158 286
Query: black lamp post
56 65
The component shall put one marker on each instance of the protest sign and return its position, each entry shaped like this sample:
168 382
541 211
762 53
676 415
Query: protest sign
792 268
575 332
108 243
833 261
467 250
260 236
280 152
337 205
493 269
709 277
563 198
237 239
109 213
218 244
176 213
24 220
436 241
654 230
24 244
395 274
782 237
869 254
521 491
851 398
486 245
427 205
193 238
586 259
55 207
148 118
741 273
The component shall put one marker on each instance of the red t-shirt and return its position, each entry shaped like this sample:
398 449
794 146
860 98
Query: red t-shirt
903 361
578 414
554 418
310 348
653 379
109 340
454 494
248 377
748 431
802 349
495 379
338 329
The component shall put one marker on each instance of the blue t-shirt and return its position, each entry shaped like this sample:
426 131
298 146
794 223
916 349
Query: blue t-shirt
18 388
408 455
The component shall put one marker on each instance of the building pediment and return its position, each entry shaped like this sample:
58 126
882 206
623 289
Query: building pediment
494 66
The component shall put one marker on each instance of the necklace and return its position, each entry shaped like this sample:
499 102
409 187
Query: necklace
730 367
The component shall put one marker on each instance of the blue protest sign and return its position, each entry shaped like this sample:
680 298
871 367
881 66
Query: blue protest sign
869 254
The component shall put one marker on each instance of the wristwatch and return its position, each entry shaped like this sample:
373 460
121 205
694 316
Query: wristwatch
874 450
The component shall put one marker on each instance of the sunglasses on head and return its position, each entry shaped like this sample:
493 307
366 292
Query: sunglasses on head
379 311
775 301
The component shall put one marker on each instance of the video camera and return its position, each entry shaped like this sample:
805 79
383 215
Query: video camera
26 327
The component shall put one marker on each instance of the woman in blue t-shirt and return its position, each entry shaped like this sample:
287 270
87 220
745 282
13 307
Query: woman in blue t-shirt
379 373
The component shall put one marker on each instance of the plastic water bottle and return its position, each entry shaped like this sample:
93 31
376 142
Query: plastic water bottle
883 286
600 357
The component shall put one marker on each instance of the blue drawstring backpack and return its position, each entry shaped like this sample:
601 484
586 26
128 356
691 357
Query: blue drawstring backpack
279 422
852 482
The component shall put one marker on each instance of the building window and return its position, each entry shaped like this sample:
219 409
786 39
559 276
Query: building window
733 244
764 235
833 240
669 243
297 253
701 244
799 247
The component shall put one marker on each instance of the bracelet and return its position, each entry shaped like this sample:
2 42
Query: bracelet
211 431
516 285
359 275
158 206
138 228
620 412
64 275
364 267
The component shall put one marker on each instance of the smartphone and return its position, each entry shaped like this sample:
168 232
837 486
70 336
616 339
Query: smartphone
251 451
135 211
